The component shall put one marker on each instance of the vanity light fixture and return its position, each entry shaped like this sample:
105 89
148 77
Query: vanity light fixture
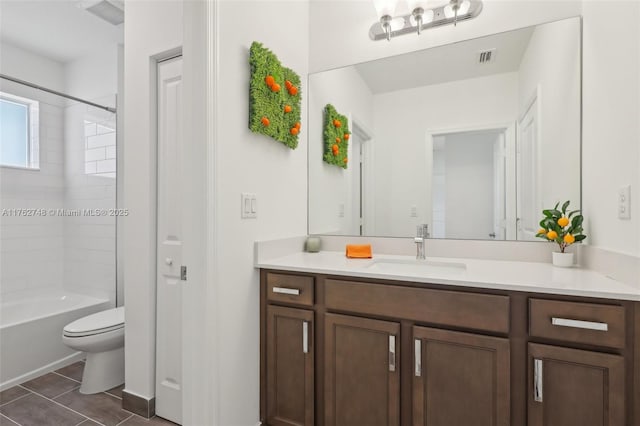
423 14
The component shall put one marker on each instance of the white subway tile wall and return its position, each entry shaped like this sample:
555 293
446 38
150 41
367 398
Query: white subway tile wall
76 252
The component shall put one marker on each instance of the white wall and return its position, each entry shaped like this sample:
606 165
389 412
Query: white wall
145 39
469 184
402 154
32 248
331 186
248 162
551 64
611 129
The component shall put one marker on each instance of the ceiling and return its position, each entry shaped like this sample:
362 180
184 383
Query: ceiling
457 61
56 29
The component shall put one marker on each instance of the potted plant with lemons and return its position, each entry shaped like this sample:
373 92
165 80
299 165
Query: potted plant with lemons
562 228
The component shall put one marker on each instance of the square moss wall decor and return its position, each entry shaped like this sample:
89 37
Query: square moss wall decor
274 97
336 137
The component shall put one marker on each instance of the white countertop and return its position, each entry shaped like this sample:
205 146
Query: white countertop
534 277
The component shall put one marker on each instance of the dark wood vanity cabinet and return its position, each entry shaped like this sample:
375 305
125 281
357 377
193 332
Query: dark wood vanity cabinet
344 351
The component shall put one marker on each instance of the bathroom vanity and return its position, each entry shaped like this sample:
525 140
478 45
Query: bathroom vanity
376 342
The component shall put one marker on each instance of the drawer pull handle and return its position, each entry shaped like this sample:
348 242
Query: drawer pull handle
284 290
305 337
418 357
392 353
589 325
537 380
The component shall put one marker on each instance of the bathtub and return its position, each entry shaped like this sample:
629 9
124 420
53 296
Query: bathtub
31 324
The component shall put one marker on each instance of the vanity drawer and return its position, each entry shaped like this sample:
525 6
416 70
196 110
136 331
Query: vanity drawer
453 308
290 289
588 323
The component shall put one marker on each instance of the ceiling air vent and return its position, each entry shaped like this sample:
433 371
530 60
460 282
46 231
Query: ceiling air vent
111 11
487 56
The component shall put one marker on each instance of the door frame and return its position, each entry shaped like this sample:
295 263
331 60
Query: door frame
510 130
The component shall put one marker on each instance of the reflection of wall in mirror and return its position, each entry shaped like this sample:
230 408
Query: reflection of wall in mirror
404 178
551 63
332 205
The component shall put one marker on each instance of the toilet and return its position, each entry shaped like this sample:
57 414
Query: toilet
101 337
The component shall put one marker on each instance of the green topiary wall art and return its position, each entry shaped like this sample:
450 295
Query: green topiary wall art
274 97
336 137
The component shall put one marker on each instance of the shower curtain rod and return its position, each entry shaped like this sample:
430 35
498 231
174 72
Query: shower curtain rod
64 95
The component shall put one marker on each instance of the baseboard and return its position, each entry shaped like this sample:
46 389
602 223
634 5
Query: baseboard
138 404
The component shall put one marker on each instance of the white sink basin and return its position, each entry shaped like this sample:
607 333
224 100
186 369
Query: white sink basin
416 267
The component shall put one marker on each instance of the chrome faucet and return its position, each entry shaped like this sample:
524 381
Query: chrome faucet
422 233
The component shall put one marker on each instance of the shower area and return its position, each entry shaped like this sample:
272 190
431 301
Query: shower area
58 183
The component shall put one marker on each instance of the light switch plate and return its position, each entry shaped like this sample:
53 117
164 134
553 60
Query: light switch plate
624 203
248 206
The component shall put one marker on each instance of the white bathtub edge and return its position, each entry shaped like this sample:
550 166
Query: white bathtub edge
77 356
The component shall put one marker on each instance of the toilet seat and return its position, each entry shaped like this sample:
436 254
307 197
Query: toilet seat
98 323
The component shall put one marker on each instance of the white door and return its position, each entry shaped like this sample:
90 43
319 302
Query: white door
528 203
499 176
170 241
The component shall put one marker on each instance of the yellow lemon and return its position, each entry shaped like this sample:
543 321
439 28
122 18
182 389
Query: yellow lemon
541 231
552 235
569 239
563 221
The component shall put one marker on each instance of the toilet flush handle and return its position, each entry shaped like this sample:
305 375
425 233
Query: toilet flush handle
168 261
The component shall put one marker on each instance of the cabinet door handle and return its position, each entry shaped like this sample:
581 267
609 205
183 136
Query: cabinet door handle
417 368
589 325
537 380
284 290
392 353
305 337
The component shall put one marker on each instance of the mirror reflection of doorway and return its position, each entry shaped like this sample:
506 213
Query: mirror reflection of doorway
357 163
469 180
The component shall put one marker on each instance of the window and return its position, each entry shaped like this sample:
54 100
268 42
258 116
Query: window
18 132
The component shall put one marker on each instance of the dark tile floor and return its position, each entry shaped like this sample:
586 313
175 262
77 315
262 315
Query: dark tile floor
54 400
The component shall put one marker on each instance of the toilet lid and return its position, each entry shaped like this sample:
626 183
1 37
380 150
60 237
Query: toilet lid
101 322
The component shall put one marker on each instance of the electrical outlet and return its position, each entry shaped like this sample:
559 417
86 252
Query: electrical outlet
624 203
248 206
341 210
413 212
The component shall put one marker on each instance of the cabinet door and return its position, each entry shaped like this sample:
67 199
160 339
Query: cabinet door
362 383
575 387
460 379
290 367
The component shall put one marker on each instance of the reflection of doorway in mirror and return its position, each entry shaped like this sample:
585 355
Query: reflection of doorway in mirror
360 183
472 175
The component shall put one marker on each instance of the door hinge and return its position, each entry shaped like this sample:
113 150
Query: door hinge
183 273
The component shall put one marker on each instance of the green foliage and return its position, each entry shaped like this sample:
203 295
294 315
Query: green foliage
573 226
265 102
332 134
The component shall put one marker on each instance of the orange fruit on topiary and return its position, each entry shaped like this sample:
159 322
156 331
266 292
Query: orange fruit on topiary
275 87
569 239
294 131
552 235
347 136
335 149
337 123
287 108
338 140
293 90
265 121
563 221
297 125
269 80
541 231
346 160
288 84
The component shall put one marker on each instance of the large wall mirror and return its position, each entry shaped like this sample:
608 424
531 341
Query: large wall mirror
473 138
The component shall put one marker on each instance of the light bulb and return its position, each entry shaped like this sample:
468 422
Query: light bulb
397 24
385 7
463 8
427 17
